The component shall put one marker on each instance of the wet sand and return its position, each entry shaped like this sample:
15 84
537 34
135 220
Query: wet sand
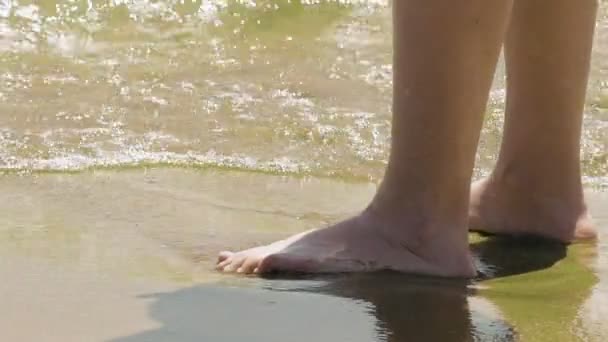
127 256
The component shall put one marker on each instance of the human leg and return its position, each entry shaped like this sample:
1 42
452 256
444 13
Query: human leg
445 54
535 188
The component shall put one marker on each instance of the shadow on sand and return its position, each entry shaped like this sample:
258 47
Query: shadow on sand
364 307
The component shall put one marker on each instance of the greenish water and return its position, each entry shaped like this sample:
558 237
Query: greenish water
275 86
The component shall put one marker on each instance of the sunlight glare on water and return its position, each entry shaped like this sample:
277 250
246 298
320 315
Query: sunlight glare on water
300 87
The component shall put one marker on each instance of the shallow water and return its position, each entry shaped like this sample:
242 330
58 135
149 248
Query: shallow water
218 89
128 257
276 86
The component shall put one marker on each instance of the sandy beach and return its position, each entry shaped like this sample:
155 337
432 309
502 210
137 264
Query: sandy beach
127 256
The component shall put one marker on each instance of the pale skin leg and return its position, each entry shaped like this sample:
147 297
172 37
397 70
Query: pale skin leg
536 188
445 55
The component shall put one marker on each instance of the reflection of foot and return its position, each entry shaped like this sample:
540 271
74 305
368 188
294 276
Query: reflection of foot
504 209
359 244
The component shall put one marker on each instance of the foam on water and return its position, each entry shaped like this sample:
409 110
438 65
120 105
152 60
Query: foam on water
276 86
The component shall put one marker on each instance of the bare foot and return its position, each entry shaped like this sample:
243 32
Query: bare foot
504 209
359 244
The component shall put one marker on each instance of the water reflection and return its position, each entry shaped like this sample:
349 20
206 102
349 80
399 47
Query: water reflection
400 309
525 292
410 308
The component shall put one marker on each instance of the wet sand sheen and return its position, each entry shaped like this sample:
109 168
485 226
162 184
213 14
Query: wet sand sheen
127 256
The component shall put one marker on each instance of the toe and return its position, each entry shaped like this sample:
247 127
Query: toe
223 256
221 265
249 266
235 264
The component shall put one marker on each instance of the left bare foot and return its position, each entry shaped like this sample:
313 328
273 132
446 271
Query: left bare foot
508 209
359 244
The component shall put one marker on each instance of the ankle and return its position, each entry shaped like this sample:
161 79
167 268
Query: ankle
443 251
511 208
538 179
538 196
422 230
428 205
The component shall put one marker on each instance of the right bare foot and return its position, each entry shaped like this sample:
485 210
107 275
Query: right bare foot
505 209
363 243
